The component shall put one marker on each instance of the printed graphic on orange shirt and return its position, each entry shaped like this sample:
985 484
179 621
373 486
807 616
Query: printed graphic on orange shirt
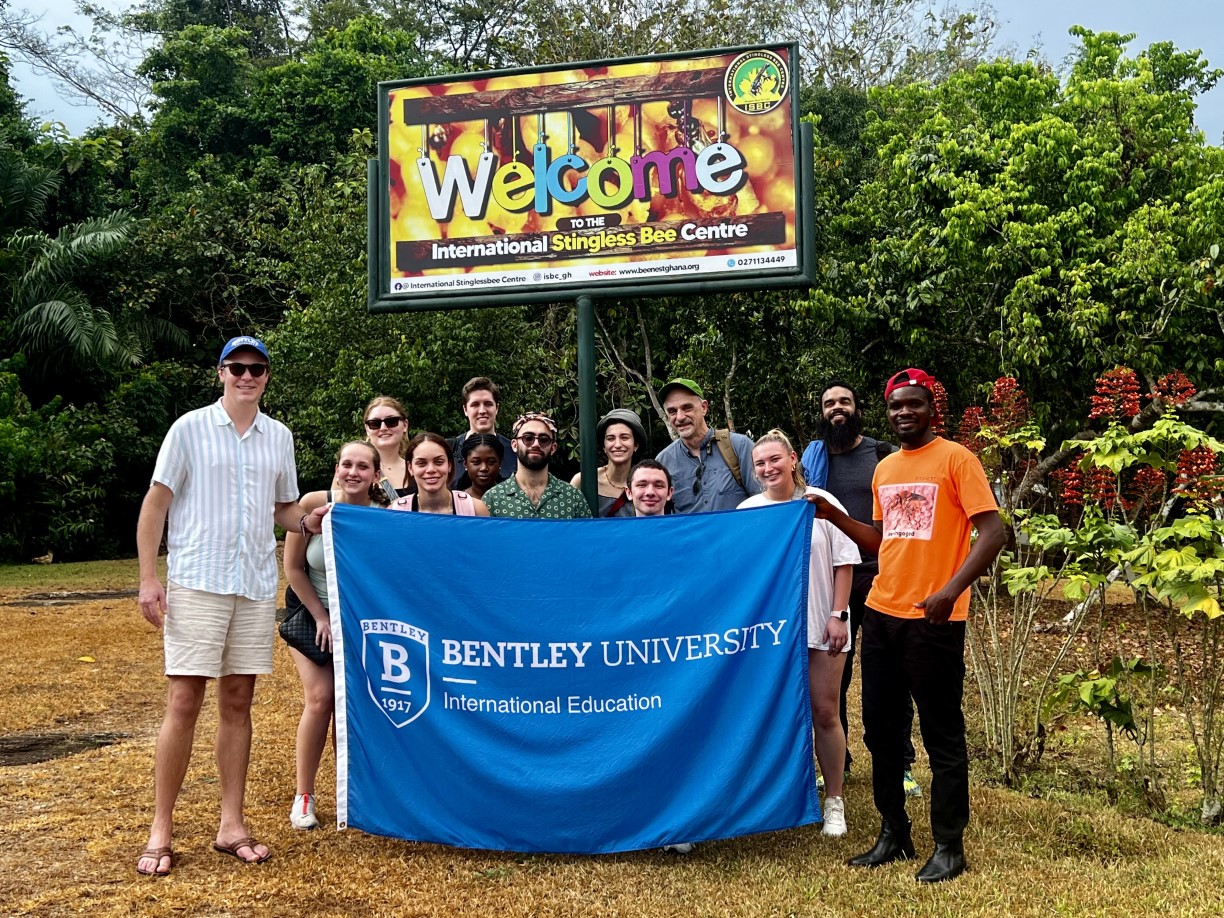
909 510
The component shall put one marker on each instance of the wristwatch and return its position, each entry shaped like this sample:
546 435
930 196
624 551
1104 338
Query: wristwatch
844 615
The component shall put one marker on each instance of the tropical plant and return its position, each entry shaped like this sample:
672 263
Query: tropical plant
1136 500
48 315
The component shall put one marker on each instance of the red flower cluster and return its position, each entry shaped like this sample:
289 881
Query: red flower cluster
1103 487
1117 394
968 436
938 423
1146 484
1070 479
1175 388
1194 470
1009 406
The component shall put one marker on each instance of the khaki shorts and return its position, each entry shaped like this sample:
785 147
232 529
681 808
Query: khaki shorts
212 634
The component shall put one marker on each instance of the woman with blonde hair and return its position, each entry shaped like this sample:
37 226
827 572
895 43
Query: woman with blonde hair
830 576
356 482
386 424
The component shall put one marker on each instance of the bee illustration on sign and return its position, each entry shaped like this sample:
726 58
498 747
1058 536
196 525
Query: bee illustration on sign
396 660
756 82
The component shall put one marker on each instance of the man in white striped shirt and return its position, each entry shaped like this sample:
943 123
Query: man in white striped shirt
224 475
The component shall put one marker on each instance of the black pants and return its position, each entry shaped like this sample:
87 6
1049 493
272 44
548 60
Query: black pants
858 604
904 657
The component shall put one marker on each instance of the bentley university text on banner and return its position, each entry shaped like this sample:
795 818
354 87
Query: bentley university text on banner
583 686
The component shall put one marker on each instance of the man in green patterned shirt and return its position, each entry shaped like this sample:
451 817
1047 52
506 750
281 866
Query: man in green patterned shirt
534 492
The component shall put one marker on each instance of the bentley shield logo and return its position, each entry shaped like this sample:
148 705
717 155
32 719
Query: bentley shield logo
396 660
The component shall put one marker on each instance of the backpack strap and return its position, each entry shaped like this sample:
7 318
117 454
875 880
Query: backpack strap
882 450
722 436
614 507
815 462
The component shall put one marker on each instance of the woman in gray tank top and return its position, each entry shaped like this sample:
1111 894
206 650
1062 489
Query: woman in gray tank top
357 473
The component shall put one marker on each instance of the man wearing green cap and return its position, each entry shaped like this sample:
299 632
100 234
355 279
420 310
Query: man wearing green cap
710 469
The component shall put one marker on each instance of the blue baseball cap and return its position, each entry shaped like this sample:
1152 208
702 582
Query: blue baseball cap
241 341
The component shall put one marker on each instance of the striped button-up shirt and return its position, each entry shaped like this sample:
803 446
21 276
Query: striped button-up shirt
226 487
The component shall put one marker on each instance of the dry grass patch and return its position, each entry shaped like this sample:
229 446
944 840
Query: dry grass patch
73 825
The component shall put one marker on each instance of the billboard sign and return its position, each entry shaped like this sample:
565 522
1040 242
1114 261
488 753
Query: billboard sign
674 173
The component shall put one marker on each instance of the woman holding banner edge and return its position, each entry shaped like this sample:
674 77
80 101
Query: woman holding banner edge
830 577
358 470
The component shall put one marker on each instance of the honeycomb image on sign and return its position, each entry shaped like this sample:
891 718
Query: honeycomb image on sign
614 163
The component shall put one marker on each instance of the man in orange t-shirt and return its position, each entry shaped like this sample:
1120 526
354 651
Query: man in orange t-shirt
927 499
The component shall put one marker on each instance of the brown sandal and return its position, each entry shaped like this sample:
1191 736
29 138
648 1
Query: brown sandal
233 849
156 855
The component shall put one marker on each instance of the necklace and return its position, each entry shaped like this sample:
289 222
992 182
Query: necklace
607 474
396 468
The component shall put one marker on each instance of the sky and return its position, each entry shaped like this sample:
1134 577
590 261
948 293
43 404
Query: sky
1189 24
1025 24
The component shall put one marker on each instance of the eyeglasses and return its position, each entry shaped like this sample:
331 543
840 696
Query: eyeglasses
238 369
391 422
530 439
697 479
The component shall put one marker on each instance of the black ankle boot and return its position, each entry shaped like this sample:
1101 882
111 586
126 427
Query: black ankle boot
892 845
947 862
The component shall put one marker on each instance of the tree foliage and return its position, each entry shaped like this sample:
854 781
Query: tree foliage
978 216
1043 228
865 43
49 315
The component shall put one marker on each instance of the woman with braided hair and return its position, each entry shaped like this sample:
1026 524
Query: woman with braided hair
482 455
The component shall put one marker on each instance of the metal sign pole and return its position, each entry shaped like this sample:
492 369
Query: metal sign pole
586 400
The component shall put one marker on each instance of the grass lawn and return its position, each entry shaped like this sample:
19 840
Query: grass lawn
74 824
76 576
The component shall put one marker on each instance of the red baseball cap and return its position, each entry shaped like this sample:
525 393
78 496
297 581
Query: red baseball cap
910 377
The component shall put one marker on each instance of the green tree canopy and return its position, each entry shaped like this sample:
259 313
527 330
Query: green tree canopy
1044 229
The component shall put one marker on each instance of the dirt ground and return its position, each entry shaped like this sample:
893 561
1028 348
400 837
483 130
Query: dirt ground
83 692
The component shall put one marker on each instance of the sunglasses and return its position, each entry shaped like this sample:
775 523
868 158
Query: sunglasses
697 479
530 439
237 370
391 422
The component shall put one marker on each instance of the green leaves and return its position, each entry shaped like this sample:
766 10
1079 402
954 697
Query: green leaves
1119 447
46 312
1104 695
1182 564
1043 231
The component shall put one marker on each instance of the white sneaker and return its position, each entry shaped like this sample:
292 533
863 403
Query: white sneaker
834 816
303 813
681 848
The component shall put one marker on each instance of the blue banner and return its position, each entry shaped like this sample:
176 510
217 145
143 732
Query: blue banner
571 686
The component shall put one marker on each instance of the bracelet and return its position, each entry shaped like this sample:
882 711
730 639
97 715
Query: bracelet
302 526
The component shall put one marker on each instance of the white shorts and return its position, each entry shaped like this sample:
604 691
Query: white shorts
816 630
213 634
